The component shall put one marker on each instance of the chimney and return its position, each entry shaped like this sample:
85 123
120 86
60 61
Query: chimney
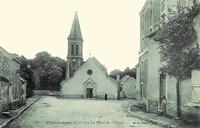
118 77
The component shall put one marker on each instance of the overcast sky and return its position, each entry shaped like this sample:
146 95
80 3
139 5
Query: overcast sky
110 28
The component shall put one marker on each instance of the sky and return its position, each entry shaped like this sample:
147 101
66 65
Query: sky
110 28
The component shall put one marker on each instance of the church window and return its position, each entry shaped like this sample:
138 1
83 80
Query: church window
72 49
74 62
77 49
89 72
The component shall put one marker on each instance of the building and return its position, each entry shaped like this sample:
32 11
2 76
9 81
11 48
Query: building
75 48
10 85
128 87
87 79
90 80
152 84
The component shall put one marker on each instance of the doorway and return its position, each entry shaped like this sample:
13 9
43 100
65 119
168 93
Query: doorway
89 93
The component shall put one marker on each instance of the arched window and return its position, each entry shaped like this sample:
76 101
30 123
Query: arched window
72 49
77 49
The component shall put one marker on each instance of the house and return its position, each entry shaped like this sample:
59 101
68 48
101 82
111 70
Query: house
128 87
10 85
90 80
153 84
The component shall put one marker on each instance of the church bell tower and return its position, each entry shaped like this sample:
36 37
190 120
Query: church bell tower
75 48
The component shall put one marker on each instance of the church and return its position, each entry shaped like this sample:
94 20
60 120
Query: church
87 79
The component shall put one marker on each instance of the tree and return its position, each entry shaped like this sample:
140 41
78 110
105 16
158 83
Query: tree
51 70
178 47
114 73
127 71
28 74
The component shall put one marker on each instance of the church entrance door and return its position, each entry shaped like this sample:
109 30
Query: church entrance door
89 93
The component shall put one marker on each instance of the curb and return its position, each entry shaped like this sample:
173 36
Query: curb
13 118
156 122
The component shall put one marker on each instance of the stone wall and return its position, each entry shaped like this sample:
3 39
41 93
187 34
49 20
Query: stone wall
46 92
191 112
152 105
4 97
10 69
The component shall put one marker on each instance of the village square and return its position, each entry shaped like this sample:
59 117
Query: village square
161 90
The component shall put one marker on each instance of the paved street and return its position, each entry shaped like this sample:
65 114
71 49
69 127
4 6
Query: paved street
52 112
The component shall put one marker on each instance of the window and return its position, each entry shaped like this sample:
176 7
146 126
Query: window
74 62
142 23
120 89
150 17
18 71
151 11
72 49
77 49
162 6
89 72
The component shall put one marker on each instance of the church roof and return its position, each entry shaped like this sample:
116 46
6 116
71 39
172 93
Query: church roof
98 64
75 32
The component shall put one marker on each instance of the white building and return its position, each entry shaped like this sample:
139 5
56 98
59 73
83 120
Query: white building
90 80
85 79
128 87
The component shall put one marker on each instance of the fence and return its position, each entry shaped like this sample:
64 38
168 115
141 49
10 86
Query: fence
46 93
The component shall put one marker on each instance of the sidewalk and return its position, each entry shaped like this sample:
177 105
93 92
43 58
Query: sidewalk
29 102
164 121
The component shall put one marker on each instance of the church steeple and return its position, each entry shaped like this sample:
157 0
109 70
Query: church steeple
75 32
75 48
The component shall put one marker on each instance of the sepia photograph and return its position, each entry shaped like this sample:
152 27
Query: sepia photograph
99 64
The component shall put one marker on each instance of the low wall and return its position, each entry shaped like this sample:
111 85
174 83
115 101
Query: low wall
46 92
191 112
152 105
72 96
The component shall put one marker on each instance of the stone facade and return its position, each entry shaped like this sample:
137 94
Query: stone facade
10 69
4 97
151 84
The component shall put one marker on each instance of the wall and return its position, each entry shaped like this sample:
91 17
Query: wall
153 71
9 68
153 78
45 93
138 82
129 88
4 97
